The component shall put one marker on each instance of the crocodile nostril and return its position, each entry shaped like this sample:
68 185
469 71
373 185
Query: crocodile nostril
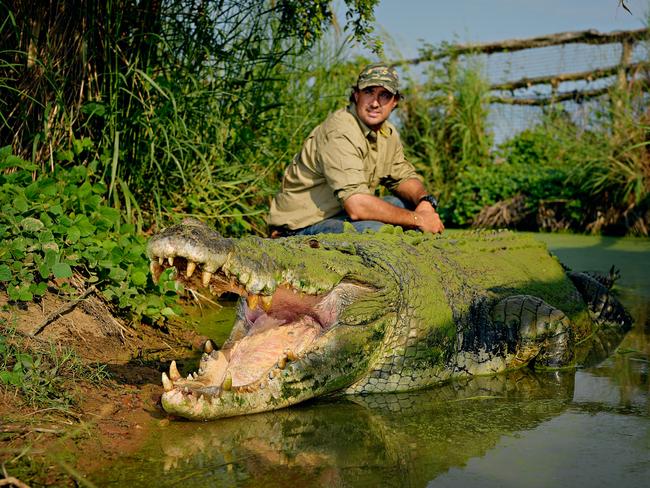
314 244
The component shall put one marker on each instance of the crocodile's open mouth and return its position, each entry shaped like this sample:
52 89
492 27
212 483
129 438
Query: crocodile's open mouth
277 327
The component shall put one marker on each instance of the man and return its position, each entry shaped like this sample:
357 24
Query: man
344 159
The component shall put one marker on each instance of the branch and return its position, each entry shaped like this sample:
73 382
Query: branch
584 75
11 481
588 36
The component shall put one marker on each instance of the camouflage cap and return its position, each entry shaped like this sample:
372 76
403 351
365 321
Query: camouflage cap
379 74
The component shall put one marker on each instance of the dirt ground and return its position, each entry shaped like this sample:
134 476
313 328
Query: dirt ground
57 447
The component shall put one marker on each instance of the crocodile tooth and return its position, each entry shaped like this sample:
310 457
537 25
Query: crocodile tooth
168 385
291 356
267 301
152 267
189 271
189 376
272 374
206 277
227 382
200 372
282 362
252 300
174 375
208 347
170 260
161 260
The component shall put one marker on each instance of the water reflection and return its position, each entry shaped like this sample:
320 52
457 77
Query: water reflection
378 440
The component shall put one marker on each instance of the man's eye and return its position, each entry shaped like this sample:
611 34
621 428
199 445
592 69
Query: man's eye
368 91
385 97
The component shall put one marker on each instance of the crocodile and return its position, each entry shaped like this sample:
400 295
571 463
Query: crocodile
377 312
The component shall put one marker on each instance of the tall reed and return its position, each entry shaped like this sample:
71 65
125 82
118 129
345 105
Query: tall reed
444 123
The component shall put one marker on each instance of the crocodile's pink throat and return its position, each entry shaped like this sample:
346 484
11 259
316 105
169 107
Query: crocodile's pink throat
282 333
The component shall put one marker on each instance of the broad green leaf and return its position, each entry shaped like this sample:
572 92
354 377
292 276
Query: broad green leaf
112 214
117 274
66 155
25 295
30 224
39 289
45 235
44 270
13 292
55 209
51 257
168 312
5 273
138 278
85 227
20 204
62 270
94 109
10 377
74 234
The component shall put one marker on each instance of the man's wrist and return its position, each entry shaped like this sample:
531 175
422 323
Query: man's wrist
416 220
430 199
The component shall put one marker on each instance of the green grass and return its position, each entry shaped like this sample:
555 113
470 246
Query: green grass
44 374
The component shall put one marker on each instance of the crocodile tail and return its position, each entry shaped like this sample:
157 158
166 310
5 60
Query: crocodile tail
603 305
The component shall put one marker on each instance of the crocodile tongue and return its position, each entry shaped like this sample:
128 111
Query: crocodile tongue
254 355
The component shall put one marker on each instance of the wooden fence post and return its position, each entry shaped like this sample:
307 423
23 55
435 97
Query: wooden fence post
626 55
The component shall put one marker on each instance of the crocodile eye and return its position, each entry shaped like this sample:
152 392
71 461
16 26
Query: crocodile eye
313 243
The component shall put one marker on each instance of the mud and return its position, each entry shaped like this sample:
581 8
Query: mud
110 419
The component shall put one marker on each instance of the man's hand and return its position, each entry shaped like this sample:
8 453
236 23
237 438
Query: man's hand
428 219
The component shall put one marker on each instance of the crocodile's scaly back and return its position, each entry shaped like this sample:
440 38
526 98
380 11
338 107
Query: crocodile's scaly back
373 312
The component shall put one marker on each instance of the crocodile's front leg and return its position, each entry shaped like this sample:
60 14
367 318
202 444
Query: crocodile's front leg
520 330
538 334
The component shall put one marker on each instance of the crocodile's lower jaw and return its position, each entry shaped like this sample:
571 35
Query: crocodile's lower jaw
194 405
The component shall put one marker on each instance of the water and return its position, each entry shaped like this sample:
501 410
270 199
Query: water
584 428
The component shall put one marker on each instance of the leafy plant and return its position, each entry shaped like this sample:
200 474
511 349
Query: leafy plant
58 227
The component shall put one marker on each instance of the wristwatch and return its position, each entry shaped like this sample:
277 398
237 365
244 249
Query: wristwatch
431 199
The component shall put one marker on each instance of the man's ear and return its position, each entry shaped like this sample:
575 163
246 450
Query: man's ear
355 94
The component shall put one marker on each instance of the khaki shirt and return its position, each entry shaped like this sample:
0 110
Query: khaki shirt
341 157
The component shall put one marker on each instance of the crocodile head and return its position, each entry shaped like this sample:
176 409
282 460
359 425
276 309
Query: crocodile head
311 313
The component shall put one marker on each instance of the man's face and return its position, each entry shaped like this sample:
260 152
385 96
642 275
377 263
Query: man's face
374 105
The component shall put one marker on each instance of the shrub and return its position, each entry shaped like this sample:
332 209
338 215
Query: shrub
59 226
